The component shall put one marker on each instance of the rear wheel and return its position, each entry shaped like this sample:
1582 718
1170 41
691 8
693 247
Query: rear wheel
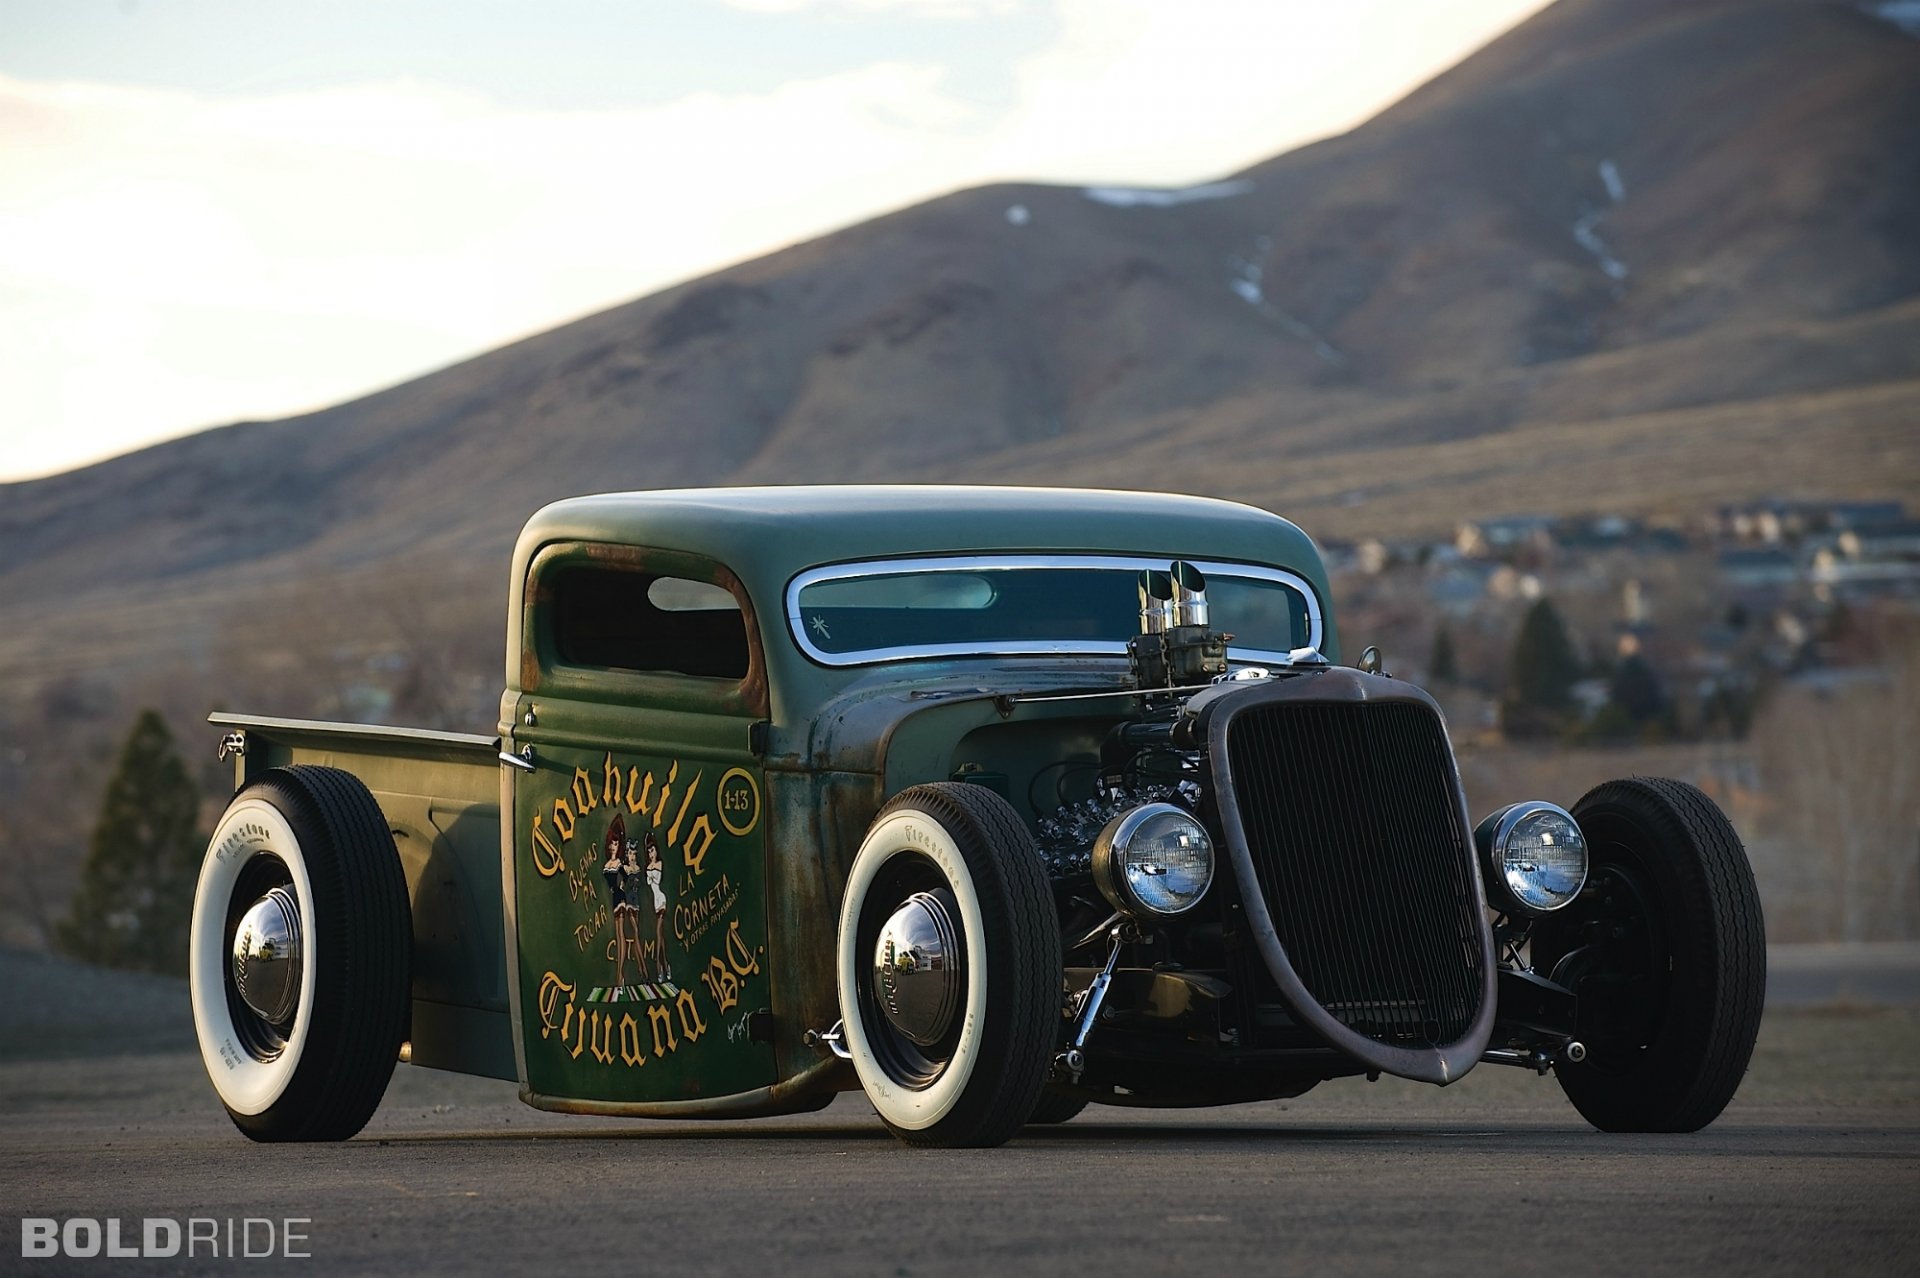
1665 950
949 967
300 952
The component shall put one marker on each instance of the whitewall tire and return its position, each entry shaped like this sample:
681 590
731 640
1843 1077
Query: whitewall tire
949 967
300 956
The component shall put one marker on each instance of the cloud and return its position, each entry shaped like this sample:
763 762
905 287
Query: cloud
169 261
1192 91
924 8
152 241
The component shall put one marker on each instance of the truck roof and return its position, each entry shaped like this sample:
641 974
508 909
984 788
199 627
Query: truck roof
768 534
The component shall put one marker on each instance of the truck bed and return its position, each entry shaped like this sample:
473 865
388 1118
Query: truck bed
442 795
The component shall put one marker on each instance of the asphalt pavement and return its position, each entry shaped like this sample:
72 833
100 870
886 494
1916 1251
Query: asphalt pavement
1814 1169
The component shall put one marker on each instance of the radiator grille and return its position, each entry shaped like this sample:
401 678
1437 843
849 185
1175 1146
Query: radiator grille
1354 832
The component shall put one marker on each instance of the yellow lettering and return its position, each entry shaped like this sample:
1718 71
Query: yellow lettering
686 801
745 964
573 1017
610 782
666 791
583 791
552 862
660 1018
600 1043
722 984
688 1008
552 988
632 1052
637 805
563 821
700 835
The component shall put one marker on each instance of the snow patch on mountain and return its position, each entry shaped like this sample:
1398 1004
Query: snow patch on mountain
1904 14
1586 228
1610 178
1129 197
1245 281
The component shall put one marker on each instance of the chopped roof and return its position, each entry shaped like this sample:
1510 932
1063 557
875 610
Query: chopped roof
767 534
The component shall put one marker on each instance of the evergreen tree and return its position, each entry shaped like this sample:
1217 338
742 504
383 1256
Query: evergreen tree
1539 700
136 890
1637 690
1442 666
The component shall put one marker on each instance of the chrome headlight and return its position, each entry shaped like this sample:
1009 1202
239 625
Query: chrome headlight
1153 859
1534 858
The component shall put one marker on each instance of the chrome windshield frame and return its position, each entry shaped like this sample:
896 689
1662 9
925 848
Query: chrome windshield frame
1316 630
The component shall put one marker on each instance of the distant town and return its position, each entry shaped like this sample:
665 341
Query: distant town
1677 628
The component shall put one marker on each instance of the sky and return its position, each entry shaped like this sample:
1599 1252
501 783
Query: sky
223 210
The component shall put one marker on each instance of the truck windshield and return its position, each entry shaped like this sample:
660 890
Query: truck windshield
851 614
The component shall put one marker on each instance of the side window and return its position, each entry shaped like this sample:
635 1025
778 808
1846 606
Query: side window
625 620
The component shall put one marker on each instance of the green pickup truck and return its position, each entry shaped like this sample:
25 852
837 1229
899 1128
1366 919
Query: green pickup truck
990 802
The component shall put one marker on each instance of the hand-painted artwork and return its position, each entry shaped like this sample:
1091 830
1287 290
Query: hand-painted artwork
628 872
639 916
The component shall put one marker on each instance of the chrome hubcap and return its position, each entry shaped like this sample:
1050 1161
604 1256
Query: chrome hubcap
267 957
919 969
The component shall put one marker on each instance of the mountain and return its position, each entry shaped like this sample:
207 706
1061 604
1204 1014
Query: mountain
1636 255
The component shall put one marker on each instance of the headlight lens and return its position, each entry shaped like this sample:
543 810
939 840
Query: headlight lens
1535 857
1153 859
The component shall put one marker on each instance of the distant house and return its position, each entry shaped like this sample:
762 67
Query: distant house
1597 532
1457 587
1884 540
1492 538
1871 560
1757 568
1860 514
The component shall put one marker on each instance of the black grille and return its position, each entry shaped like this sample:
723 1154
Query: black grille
1353 827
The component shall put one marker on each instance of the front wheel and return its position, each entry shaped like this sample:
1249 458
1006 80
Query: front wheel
1665 950
301 946
949 967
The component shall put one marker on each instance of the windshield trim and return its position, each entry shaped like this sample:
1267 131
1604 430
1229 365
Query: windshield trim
1316 631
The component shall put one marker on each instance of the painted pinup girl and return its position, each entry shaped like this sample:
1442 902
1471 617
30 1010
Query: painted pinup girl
626 920
659 909
634 885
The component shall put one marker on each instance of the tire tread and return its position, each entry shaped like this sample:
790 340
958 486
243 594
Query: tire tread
1717 917
999 851
363 997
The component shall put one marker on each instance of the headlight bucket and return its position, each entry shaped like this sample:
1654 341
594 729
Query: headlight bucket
1533 857
1153 860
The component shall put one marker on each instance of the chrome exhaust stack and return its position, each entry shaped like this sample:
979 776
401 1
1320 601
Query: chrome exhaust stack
1176 647
1189 595
1157 609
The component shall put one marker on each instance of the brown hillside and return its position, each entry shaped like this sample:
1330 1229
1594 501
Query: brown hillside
1646 254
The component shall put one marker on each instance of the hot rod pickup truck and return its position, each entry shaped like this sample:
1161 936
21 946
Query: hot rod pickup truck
991 803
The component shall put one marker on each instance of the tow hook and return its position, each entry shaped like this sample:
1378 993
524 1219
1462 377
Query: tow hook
831 1039
1539 1060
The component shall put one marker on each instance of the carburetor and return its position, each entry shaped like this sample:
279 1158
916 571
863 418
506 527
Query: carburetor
1176 647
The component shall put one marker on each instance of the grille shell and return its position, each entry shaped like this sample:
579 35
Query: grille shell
1333 788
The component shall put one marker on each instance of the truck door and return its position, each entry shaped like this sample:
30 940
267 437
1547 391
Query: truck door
638 880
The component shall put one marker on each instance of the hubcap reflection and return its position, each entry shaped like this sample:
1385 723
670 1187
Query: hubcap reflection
919 970
266 956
